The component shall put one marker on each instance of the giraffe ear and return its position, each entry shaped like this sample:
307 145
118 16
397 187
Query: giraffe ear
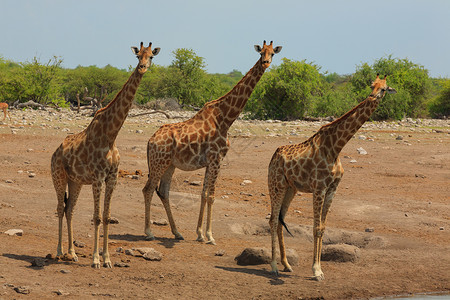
156 51
277 49
258 48
135 50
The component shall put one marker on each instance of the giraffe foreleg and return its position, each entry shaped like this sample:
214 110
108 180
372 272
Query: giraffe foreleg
96 190
60 183
318 231
110 185
209 186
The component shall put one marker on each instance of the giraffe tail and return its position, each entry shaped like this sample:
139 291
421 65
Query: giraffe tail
66 199
281 219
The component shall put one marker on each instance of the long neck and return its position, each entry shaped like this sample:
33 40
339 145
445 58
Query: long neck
232 104
335 135
111 117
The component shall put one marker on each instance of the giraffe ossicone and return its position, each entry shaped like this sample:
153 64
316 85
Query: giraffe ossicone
314 167
90 157
200 142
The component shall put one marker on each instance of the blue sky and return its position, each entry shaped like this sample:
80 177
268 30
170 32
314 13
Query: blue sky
336 35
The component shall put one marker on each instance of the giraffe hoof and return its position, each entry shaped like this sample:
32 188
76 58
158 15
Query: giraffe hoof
319 277
95 265
200 239
149 238
179 237
287 269
275 273
107 265
211 242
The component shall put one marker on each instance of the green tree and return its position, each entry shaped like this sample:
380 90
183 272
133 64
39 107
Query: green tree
411 81
440 106
287 91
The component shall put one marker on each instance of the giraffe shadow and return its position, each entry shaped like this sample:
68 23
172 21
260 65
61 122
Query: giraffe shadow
31 259
166 242
273 279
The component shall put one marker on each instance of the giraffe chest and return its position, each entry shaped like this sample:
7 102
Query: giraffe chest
86 166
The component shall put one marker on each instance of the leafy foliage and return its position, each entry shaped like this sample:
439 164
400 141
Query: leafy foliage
440 106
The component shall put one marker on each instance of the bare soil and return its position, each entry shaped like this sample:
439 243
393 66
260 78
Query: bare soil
400 189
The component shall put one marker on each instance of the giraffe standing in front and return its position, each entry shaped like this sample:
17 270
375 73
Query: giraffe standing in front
4 107
197 143
91 157
314 167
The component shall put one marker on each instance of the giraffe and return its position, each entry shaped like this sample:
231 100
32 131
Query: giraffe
91 157
4 107
314 167
200 142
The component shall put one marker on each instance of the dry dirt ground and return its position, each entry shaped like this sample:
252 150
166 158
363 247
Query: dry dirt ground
400 189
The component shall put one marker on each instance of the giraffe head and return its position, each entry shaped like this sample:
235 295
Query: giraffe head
267 51
380 88
145 56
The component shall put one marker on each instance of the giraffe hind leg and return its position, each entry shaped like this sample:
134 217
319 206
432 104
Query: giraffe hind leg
288 196
163 194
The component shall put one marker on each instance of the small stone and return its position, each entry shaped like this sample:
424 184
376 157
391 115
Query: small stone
361 151
161 222
17 232
121 265
419 176
399 138
64 271
246 181
135 177
9 181
38 262
61 293
361 137
120 250
441 228
113 220
79 244
22 290
139 131
369 229
152 255
195 183
220 252
31 175
353 161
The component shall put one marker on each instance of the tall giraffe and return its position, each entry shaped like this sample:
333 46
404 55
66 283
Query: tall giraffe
314 167
197 143
91 157
4 107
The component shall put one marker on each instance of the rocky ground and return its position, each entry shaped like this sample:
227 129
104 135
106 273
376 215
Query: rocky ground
388 230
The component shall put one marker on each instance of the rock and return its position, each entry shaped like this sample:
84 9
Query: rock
113 220
22 290
139 131
31 175
399 138
441 228
361 137
9 181
64 271
61 293
122 265
257 256
79 244
161 222
253 256
220 252
246 181
18 232
152 255
361 151
340 253
370 229
195 183
38 262
353 161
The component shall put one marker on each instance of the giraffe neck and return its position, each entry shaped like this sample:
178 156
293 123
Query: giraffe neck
232 104
335 135
108 120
